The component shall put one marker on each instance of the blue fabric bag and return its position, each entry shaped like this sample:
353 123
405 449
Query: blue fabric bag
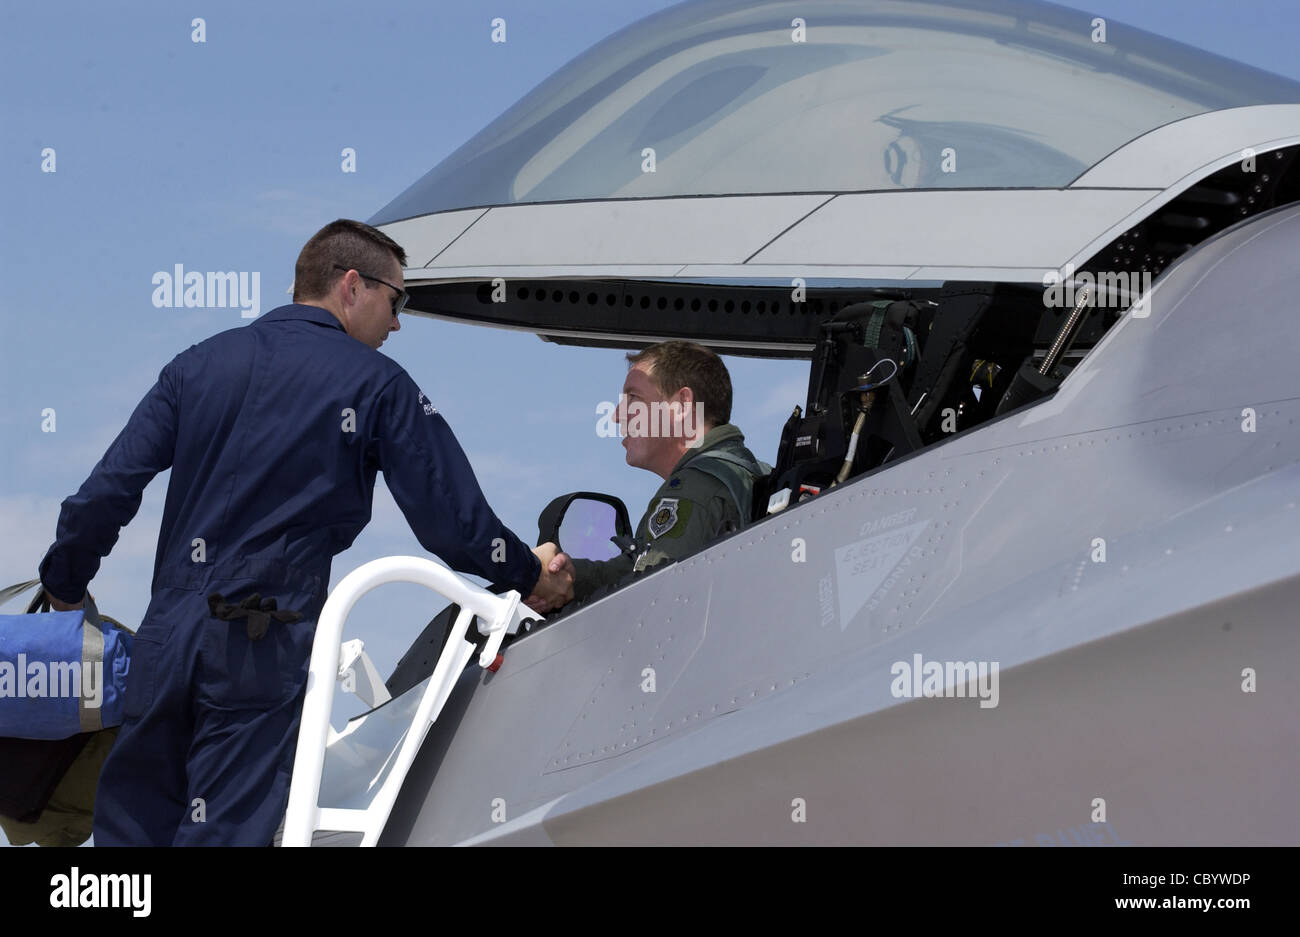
61 673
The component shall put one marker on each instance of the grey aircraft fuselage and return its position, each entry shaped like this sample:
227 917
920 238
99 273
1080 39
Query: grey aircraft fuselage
1072 624
1124 552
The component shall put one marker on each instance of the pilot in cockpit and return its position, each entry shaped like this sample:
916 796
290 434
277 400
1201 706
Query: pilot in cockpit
674 415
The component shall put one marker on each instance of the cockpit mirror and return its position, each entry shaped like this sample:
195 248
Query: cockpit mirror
583 524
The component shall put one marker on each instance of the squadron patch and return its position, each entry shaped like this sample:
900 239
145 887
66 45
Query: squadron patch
429 409
663 517
670 518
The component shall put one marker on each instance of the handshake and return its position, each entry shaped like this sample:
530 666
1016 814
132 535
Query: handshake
555 585
554 588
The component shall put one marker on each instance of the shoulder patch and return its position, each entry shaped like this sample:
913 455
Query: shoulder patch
662 517
669 518
429 409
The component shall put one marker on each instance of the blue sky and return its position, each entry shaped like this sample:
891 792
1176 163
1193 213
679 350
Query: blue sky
225 156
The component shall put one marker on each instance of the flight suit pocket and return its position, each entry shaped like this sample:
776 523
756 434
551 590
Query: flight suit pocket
236 672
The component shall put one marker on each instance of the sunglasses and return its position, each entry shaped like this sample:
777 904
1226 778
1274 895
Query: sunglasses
399 301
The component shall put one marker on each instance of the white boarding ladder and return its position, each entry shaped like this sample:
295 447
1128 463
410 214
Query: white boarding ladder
390 737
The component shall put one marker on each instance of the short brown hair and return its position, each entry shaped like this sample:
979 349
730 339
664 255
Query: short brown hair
674 365
350 244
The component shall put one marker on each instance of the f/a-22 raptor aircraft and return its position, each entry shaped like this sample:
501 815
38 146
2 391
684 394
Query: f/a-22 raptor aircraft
1032 583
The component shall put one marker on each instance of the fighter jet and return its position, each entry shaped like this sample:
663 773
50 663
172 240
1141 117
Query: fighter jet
1025 570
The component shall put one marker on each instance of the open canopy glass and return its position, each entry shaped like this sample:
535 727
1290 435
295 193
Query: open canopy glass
856 95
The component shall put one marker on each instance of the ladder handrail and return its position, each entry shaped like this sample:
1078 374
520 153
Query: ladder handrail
503 613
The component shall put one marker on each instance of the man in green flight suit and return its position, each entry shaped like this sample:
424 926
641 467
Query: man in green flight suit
673 416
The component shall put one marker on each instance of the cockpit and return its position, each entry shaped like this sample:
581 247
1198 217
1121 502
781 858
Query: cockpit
884 189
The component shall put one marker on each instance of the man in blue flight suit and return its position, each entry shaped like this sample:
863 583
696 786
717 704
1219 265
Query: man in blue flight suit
274 433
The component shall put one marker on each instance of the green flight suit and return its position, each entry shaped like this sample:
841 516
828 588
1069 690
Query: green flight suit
694 506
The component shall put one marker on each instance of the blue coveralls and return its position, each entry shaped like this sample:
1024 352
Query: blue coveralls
274 433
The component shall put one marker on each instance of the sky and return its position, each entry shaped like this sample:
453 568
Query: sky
225 155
